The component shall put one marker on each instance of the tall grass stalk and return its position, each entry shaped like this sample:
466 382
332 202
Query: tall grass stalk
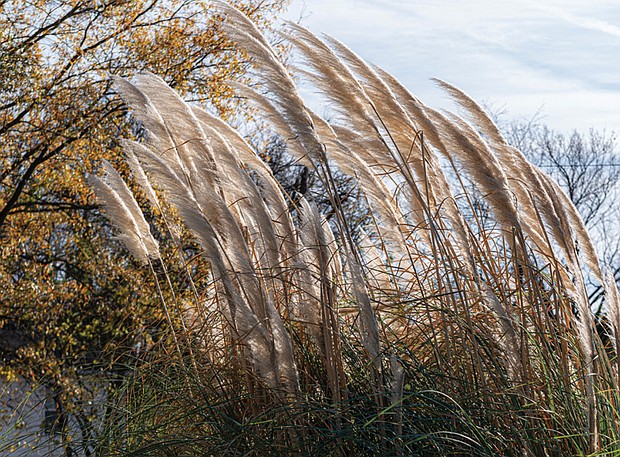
434 332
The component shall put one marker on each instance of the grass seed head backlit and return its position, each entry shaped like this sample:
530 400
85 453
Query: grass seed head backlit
430 332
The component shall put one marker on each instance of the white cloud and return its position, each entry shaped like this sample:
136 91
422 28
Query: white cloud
523 53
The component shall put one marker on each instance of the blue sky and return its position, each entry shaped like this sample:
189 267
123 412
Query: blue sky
559 56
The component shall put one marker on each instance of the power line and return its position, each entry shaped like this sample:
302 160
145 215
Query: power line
576 165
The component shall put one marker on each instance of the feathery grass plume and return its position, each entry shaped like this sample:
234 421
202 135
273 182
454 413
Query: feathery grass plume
290 266
334 79
476 114
527 223
431 137
138 172
520 172
380 281
509 339
243 318
584 319
316 237
582 240
241 194
613 313
514 161
248 312
410 209
202 195
339 84
406 138
271 189
554 224
189 140
388 111
527 214
385 170
124 213
336 267
375 190
274 76
283 94
325 320
155 128
368 320
277 121
129 150
482 165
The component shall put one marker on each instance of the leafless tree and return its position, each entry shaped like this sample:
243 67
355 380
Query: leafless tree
587 167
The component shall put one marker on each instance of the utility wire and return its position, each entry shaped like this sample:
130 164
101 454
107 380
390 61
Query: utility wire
576 165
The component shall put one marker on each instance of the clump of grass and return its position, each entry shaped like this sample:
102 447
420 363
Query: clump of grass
432 333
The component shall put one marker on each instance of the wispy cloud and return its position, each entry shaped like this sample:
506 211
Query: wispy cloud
523 53
574 14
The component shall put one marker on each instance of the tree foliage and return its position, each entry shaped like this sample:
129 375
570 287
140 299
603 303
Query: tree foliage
68 295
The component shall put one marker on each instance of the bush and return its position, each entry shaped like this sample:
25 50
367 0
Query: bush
431 332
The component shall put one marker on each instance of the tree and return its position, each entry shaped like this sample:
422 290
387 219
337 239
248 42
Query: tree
70 301
587 167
